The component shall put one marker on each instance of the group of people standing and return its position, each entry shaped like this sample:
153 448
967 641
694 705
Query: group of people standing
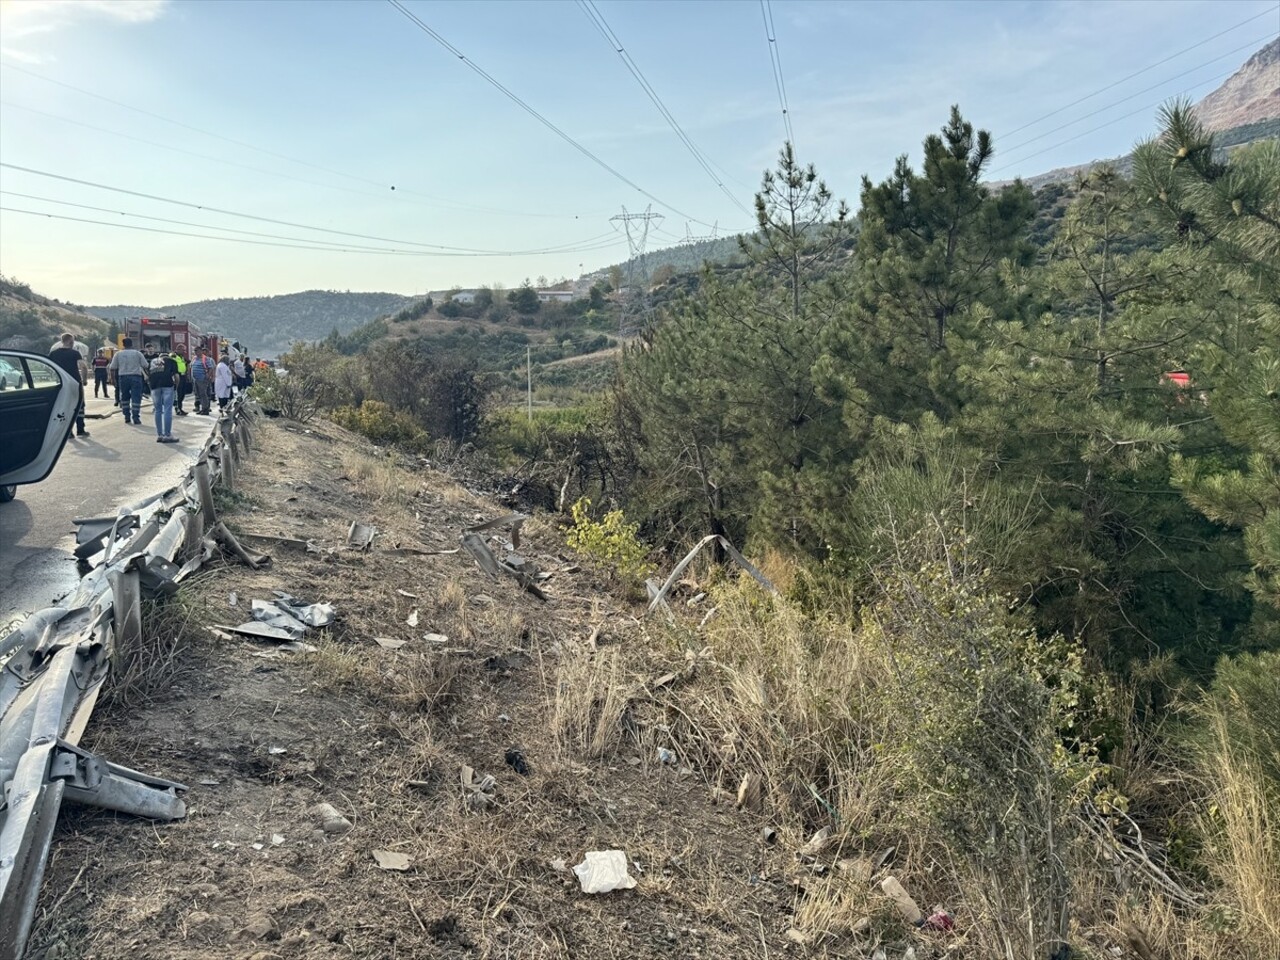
167 378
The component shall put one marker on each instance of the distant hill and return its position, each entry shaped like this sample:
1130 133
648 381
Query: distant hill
269 325
1244 109
1250 95
29 321
683 257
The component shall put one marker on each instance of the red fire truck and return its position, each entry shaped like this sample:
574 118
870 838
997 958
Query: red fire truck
167 334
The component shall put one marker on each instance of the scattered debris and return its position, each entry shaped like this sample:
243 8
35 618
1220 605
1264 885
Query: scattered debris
277 839
312 614
412 619
478 793
389 643
391 860
233 600
435 638
603 871
939 920
817 843
273 616
516 761
902 900
261 631
276 751
768 835
658 595
559 865
667 756
406 593
331 821
360 535
749 792
798 936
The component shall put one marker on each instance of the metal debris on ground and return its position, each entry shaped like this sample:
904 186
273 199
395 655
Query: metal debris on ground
435 638
521 568
603 871
817 843
412 619
389 643
312 614
658 594
360 535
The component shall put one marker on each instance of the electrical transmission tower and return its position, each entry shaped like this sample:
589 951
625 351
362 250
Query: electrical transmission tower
636 309
690 239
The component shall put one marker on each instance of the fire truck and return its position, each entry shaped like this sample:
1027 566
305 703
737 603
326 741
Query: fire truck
167 334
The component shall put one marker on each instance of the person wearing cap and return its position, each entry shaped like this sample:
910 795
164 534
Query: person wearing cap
163 378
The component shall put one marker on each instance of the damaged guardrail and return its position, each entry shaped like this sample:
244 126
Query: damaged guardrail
53 667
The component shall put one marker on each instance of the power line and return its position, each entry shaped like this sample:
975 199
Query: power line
478 70
438 201
1174 56
206 236
346 248
597 19
1134 113
1132 96
561 248
256 243
775 60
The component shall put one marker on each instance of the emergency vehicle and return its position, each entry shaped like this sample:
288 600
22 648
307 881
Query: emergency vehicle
167 334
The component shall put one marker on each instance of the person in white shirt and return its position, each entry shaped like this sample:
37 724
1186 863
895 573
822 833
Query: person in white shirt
222 379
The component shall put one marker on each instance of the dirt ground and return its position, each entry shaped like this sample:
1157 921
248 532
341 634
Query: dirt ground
381 734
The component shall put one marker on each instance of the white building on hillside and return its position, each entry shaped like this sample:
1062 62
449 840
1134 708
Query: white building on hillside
559 296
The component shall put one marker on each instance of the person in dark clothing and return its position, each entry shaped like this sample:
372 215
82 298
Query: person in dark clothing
100 361
163 377
69 359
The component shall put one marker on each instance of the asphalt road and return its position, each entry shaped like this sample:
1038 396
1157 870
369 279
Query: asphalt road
96 475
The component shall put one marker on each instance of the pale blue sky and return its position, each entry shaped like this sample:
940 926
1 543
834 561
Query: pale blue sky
358 90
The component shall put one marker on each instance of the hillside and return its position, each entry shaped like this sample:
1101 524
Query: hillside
1250 95
269 325
29 321
1246 108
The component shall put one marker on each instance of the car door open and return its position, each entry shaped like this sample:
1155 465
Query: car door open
38 402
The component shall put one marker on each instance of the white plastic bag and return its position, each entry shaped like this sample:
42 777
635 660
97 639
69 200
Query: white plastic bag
604 870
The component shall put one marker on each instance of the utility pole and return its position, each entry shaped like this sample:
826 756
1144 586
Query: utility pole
528 370
635 305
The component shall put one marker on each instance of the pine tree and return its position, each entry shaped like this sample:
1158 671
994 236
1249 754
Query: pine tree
1224 212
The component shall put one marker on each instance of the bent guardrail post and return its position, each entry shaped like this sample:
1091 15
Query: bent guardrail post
204 489
52 667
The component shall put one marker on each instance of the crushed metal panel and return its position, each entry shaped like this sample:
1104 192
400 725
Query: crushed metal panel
360 535
474 544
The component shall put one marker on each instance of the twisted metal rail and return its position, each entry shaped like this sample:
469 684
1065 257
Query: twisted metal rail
54 665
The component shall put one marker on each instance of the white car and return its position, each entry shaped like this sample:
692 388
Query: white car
38 401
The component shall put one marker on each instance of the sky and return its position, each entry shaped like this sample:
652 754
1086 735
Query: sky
352 151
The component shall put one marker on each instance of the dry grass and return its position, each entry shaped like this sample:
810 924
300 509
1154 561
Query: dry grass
378 479
172 635
589 701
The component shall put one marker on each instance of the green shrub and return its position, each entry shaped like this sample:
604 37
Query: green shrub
611 540
381 424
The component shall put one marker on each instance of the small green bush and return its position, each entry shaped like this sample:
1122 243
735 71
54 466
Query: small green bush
611 540
381 424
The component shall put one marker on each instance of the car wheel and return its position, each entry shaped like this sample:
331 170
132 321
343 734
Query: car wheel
8 492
